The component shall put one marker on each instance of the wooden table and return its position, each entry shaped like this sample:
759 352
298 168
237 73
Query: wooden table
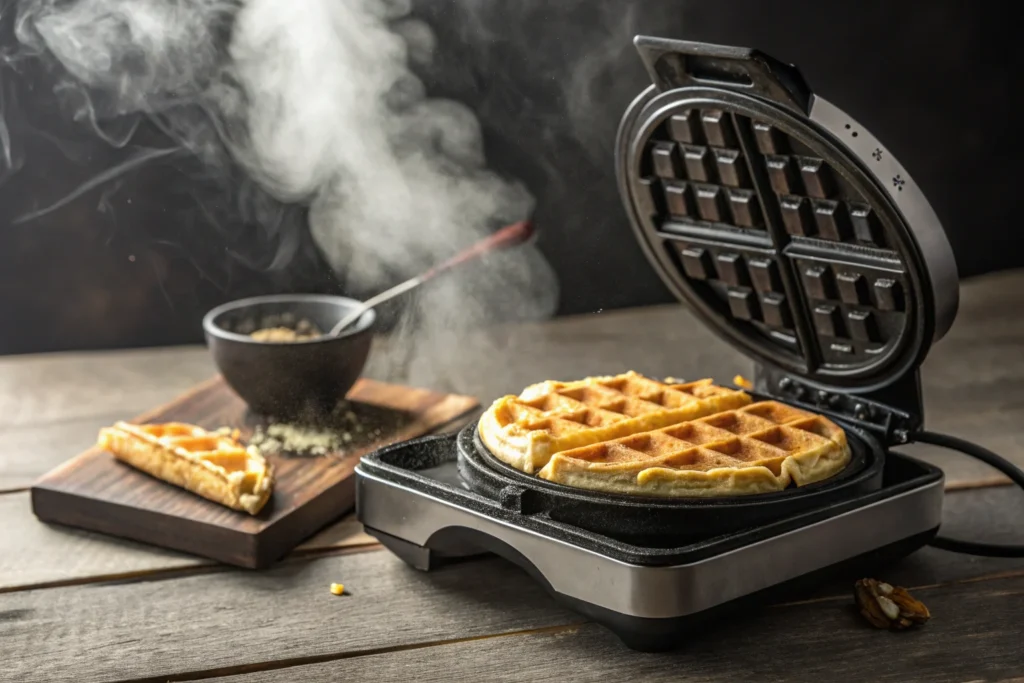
79 607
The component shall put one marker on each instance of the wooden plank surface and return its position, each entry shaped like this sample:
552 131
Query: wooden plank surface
233 621
228 619
484 620
967 640
28 448
52 406
973 379
52 388
34 554
96 492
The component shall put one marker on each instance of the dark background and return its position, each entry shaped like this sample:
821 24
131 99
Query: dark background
137 262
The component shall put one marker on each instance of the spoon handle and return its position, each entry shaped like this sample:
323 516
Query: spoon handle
509 236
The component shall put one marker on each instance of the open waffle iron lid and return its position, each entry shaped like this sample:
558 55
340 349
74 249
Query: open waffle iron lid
784 224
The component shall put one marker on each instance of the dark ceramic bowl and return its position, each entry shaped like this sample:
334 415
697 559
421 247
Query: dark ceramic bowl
285 379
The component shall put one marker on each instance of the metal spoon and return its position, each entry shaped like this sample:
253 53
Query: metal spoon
509 236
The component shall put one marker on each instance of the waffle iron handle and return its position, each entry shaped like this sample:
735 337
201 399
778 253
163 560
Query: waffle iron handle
675 64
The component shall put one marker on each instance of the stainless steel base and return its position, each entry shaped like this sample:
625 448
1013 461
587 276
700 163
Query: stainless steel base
417 524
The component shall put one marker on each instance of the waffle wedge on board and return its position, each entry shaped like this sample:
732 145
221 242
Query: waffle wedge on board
634 435
213 465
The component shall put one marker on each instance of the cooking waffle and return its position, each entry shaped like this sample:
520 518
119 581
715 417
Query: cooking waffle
759 448
525 431
213 465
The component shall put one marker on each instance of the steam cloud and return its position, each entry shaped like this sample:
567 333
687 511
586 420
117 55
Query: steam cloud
316 103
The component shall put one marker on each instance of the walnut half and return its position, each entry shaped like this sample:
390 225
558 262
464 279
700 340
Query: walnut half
886 606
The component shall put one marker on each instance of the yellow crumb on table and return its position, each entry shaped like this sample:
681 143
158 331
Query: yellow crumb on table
742 382
337 588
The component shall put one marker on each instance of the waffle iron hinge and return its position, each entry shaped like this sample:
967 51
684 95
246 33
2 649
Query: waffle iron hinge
892 413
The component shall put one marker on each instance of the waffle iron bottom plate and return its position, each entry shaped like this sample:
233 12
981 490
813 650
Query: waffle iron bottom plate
413 499
665 521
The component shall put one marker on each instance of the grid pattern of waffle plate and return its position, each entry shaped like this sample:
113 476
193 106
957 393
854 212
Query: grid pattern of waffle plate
761 447
774 239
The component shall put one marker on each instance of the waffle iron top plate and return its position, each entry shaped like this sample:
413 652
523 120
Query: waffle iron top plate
783 223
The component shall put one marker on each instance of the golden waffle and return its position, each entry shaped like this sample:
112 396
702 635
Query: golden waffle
758 448
525 431
213 465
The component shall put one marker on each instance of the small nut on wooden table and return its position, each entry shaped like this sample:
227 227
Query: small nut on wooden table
889 607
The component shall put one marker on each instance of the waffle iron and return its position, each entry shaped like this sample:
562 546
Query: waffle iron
796 236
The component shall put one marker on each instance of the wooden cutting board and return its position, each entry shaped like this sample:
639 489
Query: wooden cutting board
94 491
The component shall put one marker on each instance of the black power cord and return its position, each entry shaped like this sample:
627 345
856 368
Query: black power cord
989 458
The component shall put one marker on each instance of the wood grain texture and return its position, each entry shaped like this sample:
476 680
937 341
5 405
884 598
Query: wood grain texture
51 406
231 621
141 629
30 450
48 388
219 621
972 379
93 491
968 639
34 554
